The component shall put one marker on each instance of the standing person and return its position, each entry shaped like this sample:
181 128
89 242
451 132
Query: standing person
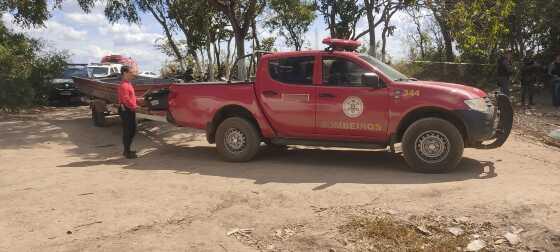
528 80
554 72
127 110
505 71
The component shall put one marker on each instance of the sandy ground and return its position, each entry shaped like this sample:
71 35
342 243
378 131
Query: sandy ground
64 187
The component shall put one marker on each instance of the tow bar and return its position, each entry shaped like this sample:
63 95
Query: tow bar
503 122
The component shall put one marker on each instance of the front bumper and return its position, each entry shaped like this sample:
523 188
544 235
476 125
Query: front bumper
63 90
494 126
66 91
479 126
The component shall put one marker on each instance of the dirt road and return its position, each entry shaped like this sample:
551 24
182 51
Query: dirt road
64 187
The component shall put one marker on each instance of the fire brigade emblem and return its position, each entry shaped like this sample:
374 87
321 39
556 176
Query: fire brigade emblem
353 107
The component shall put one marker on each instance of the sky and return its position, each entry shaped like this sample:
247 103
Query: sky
88 37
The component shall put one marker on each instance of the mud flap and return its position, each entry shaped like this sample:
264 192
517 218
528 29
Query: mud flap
504 118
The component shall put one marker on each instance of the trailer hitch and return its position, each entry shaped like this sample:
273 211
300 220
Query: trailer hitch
503 122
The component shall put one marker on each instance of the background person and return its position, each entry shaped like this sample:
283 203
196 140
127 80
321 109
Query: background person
504 71
554 72
127 110
528 80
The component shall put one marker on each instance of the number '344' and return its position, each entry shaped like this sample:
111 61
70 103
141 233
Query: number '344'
411 92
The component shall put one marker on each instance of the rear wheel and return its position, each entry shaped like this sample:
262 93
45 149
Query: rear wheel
432 145
237 140
98 118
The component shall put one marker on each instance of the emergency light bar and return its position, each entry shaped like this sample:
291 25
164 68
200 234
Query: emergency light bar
341 44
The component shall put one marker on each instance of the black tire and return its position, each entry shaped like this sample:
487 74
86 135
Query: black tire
98 118
432 145
244 140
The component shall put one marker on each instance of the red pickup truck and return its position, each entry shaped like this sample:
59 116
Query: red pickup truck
340 98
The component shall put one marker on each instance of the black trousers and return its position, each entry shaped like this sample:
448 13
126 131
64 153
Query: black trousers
128 118
527 91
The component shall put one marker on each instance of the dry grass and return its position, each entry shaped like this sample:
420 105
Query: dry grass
384 233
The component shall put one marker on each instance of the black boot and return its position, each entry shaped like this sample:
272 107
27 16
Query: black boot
131 155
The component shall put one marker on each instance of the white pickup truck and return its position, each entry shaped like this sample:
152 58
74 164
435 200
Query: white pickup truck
103 70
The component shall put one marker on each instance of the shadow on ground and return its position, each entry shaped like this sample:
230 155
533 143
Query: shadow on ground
292 165
102 146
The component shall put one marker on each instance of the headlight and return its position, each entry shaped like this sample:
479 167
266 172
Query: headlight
58 81
478 104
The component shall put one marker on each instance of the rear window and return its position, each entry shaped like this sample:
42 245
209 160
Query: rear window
294 70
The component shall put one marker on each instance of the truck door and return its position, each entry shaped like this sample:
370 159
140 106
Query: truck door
287 94
346 109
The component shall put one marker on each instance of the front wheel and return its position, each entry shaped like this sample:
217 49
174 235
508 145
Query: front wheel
432 145
237 140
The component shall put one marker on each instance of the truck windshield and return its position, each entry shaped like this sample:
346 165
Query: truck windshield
74 72
386 69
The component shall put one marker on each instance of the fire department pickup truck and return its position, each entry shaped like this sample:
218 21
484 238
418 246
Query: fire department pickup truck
331 98
340 98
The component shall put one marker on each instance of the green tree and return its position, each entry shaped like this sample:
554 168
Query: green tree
480 27
36 12
116 10
341 16
25 70
241 15
380 12
292 19
267 45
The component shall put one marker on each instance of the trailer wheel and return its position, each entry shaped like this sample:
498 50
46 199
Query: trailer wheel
237 140
432 145
98 118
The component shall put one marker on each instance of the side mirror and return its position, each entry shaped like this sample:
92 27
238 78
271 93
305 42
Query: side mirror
372 80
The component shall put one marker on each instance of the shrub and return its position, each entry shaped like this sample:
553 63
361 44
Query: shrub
25 70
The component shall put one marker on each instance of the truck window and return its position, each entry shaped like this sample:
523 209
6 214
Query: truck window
294 70
342 72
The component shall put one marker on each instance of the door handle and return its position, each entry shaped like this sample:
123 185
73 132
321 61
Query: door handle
269 93
326 95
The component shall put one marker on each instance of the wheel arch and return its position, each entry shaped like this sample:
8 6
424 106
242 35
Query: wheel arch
425 112
228 111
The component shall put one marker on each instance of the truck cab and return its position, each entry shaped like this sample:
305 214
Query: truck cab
340 98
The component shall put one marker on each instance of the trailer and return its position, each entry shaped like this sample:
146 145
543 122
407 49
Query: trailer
101 94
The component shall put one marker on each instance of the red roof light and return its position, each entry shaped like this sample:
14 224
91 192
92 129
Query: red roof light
342 44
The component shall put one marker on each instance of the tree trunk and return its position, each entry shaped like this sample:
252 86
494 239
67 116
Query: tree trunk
168 35
227 59
384 44
175 48
209 52
218 59
420 38
196 60
332 17
447 38
371 24
255 36
240 48
297 45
